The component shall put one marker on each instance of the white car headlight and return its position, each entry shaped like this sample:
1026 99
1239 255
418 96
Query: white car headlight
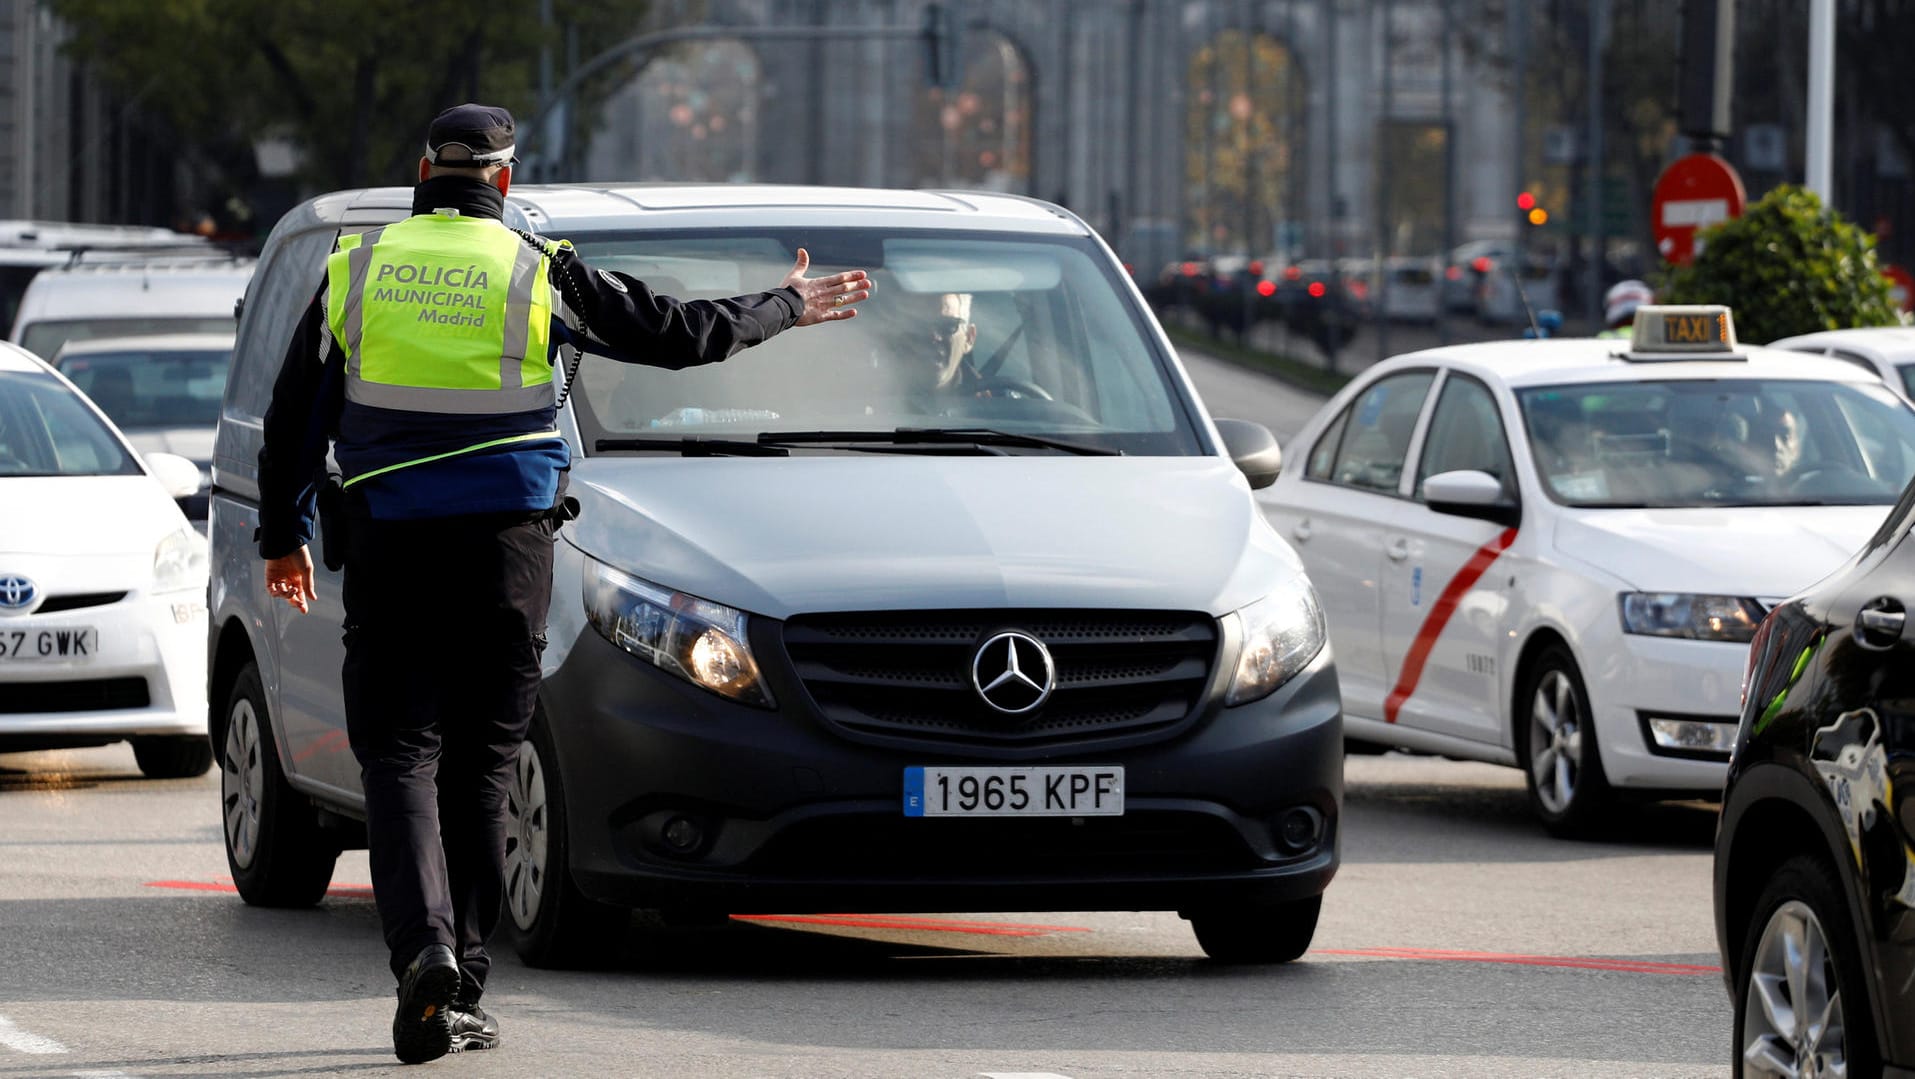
698 640
179 562
1282 633
1692 617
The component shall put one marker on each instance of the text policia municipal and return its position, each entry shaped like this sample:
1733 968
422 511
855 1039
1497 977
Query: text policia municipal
438 287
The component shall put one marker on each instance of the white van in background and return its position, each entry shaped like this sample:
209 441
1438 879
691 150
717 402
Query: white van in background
27 247
124 299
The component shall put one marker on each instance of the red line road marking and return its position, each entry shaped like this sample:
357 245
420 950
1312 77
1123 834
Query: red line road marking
1439 617
337 891
1628 966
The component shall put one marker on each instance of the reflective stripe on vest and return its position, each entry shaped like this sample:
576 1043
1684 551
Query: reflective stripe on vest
443 315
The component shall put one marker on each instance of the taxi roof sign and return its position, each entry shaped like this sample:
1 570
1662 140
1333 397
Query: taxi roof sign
1682 331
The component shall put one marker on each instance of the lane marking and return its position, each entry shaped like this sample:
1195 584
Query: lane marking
1021 1075
104 1075
934 925
12 1037
337 891
1628 966
1439 616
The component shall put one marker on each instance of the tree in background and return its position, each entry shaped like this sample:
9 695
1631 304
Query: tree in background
350 83
1788 265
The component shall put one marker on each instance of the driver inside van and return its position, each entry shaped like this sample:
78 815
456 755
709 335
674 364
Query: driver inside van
937 339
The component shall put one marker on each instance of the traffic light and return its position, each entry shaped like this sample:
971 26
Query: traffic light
1532 210
943 51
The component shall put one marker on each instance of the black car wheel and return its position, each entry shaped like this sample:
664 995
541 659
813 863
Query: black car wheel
275 848
1264 933
1801 1006
1556 746
553 923
173 757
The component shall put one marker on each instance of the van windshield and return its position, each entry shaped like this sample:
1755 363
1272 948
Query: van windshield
1027 335
44 339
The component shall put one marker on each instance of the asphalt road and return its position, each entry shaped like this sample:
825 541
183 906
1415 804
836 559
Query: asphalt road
1458 939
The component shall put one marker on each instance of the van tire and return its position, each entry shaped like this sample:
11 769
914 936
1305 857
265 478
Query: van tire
553 924
1257 933
173 756
277 852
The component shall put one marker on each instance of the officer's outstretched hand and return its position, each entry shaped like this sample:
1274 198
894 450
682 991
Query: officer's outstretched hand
827 299
291 577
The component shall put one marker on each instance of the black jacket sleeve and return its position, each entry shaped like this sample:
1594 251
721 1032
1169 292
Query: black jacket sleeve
640 326
299 421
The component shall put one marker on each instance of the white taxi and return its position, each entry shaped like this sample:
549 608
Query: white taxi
102 582
1552 554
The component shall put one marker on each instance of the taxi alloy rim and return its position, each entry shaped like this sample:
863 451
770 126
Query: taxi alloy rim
1555 741
242 776
525 838
1793 1012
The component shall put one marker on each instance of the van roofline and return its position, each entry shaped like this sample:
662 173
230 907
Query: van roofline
556 208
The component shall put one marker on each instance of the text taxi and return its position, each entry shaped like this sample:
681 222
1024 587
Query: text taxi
1553 554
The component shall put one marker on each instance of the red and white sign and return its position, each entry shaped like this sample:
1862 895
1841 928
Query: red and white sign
1901 285
1693 192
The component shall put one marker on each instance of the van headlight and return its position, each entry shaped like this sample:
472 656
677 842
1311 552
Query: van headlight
1281 633
179 562
1696 618
698 640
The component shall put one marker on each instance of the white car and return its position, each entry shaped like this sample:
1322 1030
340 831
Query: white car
102 583
1887 351
1552 554
162 391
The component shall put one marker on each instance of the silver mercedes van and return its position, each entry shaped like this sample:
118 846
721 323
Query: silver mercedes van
960 605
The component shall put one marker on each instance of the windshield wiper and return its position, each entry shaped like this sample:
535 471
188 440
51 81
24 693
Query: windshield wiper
935 436
693 446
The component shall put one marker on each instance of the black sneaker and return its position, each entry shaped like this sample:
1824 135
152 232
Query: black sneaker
422 1026
472 1029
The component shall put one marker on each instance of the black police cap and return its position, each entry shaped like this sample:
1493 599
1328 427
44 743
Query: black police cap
476 134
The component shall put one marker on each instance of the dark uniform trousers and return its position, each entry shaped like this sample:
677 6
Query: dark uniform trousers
445 624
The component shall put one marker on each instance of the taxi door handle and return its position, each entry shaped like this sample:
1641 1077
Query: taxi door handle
1301 530
1398 550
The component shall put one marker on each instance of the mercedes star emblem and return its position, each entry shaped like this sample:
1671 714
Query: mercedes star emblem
1013 672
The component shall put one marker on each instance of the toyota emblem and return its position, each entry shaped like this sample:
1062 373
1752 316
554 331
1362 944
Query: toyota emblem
17 593
1013 672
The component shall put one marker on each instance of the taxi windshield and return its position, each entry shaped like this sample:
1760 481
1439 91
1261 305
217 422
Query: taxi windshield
46 430
1725 442
963 331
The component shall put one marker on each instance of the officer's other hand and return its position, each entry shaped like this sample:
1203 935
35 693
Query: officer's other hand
290 577
827 299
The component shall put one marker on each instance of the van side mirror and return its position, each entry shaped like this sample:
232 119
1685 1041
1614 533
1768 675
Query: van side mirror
1254 450
1469 493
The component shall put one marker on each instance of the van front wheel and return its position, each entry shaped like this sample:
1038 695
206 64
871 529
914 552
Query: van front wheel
553 924
1259 933
275 848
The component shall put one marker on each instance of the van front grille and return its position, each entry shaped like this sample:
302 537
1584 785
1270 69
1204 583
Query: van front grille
909 673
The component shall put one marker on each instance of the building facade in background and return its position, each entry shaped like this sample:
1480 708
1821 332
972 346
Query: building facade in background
69 151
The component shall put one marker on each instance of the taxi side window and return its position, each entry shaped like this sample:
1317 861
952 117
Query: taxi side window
1377 436
1324 456
1466 433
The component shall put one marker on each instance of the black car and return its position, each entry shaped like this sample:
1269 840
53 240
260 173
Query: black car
1815 860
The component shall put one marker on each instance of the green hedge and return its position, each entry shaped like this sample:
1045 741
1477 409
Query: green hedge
1788 265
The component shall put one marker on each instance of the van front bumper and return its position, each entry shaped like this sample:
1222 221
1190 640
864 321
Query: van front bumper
679 799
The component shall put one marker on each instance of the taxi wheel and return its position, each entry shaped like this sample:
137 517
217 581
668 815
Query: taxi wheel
1801 1007
179 757
552 923
1556 746
1261 933
275 848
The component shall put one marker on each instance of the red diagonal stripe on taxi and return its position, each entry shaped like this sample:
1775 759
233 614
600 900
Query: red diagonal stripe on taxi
1439 617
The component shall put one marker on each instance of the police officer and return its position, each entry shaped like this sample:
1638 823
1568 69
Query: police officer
1619 308
426 360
